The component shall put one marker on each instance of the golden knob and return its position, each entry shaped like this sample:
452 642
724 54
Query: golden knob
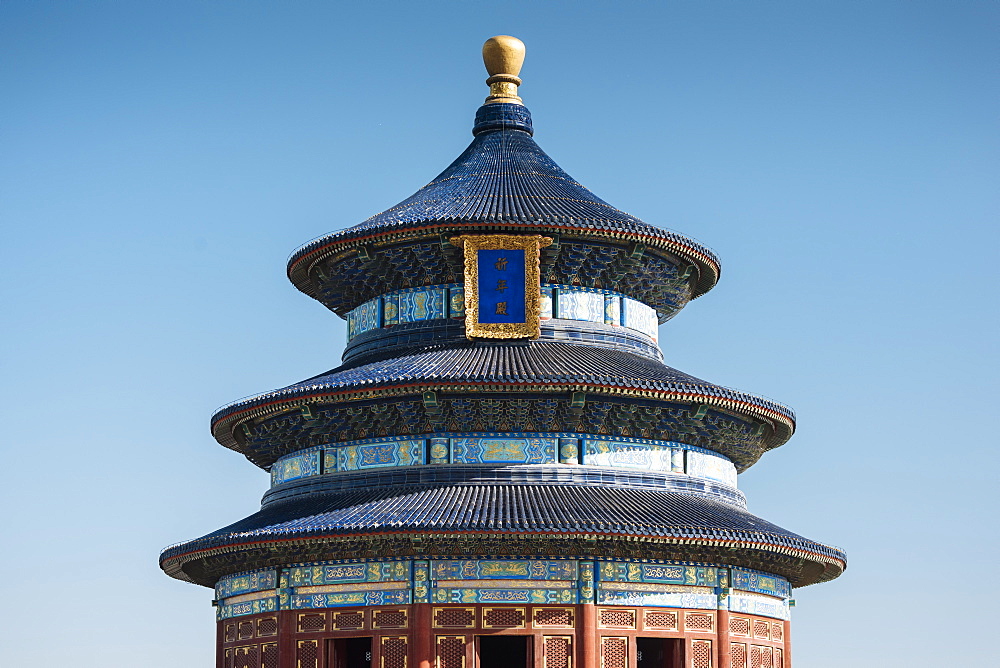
503 56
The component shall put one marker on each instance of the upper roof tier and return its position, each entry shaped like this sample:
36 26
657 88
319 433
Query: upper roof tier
502 182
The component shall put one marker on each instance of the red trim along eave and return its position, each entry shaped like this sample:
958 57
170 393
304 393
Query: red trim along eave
236 416
821 558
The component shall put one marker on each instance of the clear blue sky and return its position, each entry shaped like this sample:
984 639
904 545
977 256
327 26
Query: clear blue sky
158 162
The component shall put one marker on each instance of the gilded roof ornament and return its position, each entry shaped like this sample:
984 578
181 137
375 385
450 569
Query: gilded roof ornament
503 56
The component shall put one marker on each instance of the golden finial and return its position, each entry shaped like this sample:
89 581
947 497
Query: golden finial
503 56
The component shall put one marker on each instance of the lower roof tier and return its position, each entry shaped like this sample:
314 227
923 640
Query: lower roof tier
554 386
487 519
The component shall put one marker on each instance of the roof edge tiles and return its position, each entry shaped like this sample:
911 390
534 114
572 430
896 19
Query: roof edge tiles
503 182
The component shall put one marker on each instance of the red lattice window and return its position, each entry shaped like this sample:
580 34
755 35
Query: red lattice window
761 629
558 651
227 660
779 658
246 657
777 631
553 617
614 652
451 652
766 657
701 654
348 620
754 656
269 655
739 626
310 623
267 626
393 652
618 618
503 618
661 620
307 654
463 618
698 621
738 654
230 634
246 630
389 619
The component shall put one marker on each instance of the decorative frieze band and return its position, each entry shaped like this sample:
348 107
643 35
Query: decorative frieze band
502 581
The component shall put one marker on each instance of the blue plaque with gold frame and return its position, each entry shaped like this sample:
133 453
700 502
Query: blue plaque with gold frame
502 285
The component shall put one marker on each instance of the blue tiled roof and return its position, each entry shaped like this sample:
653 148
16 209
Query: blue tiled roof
504 176
528 363
550 509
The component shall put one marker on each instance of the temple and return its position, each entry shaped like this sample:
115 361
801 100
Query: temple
502 472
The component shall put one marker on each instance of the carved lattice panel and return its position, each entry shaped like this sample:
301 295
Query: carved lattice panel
312 622
227 660
739 626
503 618
343 621
393 652
619 619
246 657
779 658
738 654
389 619
701 654
755 656
558 651
450 652
766 657
246 630
699 621
761 630
657 619
777 631
269 655
614 652
230 633
307 654
267 626
457 618
562 617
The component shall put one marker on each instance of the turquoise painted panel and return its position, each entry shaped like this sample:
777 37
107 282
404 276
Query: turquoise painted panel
230 610
546 308
364 318
755 604
640 317
422 304
619 454
680 574
581 305
664 598
713 467
243 583
469 595
390 310
612 309
487 450
341 573
456 302
504 569
295 467
761 583
342 599
378 455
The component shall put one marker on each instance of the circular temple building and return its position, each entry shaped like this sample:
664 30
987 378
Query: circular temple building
503 472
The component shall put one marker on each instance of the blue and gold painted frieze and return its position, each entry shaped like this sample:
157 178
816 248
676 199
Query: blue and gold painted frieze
438 302
488 450
506 448
492 580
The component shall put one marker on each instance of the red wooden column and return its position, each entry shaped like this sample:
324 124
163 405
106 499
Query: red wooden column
725 653
421 637
787 638
286 639
587 635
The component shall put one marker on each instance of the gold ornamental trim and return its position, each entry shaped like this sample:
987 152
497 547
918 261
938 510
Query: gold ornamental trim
531 244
